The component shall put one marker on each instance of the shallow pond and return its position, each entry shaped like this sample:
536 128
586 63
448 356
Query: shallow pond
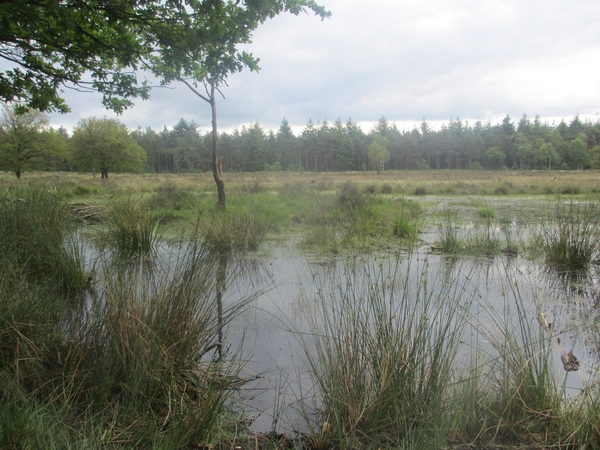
276 331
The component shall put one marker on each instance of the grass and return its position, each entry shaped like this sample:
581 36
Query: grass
37 235
381 355
132 228
133 366
570 235
127 355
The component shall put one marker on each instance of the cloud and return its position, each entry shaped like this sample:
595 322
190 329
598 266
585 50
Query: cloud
405 59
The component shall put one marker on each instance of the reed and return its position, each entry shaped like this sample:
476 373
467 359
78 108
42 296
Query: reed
571 235
380 354
132 228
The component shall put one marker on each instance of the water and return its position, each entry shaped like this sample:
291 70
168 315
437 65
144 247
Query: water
274 331
495 289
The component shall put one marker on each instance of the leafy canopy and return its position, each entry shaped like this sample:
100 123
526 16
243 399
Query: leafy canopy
105 144
22 141
98 45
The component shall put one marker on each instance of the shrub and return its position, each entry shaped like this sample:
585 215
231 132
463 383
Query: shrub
350 196
171 196
386 188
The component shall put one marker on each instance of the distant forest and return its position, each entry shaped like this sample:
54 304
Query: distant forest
338 146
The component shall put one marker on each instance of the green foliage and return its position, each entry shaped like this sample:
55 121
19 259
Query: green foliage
378 153
493 159
105 144
486 212
171 196
351 197
22 144
578 152
57 43
275 167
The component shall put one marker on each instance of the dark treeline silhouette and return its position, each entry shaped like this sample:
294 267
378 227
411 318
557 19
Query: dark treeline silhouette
339 146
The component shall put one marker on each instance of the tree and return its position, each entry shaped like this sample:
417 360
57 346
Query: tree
493 158
378 153
99 44
578 151
105 144
209 53
21 140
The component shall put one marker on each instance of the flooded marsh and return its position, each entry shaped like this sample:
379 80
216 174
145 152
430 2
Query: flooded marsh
366 338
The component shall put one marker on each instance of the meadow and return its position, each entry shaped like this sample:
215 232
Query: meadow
411 309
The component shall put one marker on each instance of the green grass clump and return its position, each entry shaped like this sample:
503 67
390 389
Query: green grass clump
381 354
132 228
449 240
172 196
37 234
224 231
570 236
486 212
512 395
134 366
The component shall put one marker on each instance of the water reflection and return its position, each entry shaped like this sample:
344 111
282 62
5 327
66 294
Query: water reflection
285 285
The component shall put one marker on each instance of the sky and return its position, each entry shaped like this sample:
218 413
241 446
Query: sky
403 59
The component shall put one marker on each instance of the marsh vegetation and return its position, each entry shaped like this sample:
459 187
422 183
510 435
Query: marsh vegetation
317 311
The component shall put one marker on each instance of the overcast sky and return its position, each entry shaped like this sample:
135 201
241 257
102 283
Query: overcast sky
402 59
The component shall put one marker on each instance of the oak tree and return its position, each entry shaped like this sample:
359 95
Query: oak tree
105 144
21 140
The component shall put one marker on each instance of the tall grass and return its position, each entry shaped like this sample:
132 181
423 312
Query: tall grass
571 235
37 234
449 240
133 366
224 231
132 229
518 397
381 356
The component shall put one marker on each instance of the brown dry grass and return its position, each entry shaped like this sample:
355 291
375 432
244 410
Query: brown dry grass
427 182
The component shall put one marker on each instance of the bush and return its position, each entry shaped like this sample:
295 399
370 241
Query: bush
171 196
350 196
386 188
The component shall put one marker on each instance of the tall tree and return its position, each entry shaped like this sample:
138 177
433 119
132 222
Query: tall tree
378 153
209 53
21 139
105 144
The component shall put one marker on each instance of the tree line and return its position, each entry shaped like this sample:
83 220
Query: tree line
344 146
102 145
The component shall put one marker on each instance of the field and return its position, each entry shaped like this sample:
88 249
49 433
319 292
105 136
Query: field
320 310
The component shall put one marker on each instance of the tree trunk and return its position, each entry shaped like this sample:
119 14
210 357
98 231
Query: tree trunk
217 163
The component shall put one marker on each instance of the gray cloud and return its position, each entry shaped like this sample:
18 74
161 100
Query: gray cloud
405 59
